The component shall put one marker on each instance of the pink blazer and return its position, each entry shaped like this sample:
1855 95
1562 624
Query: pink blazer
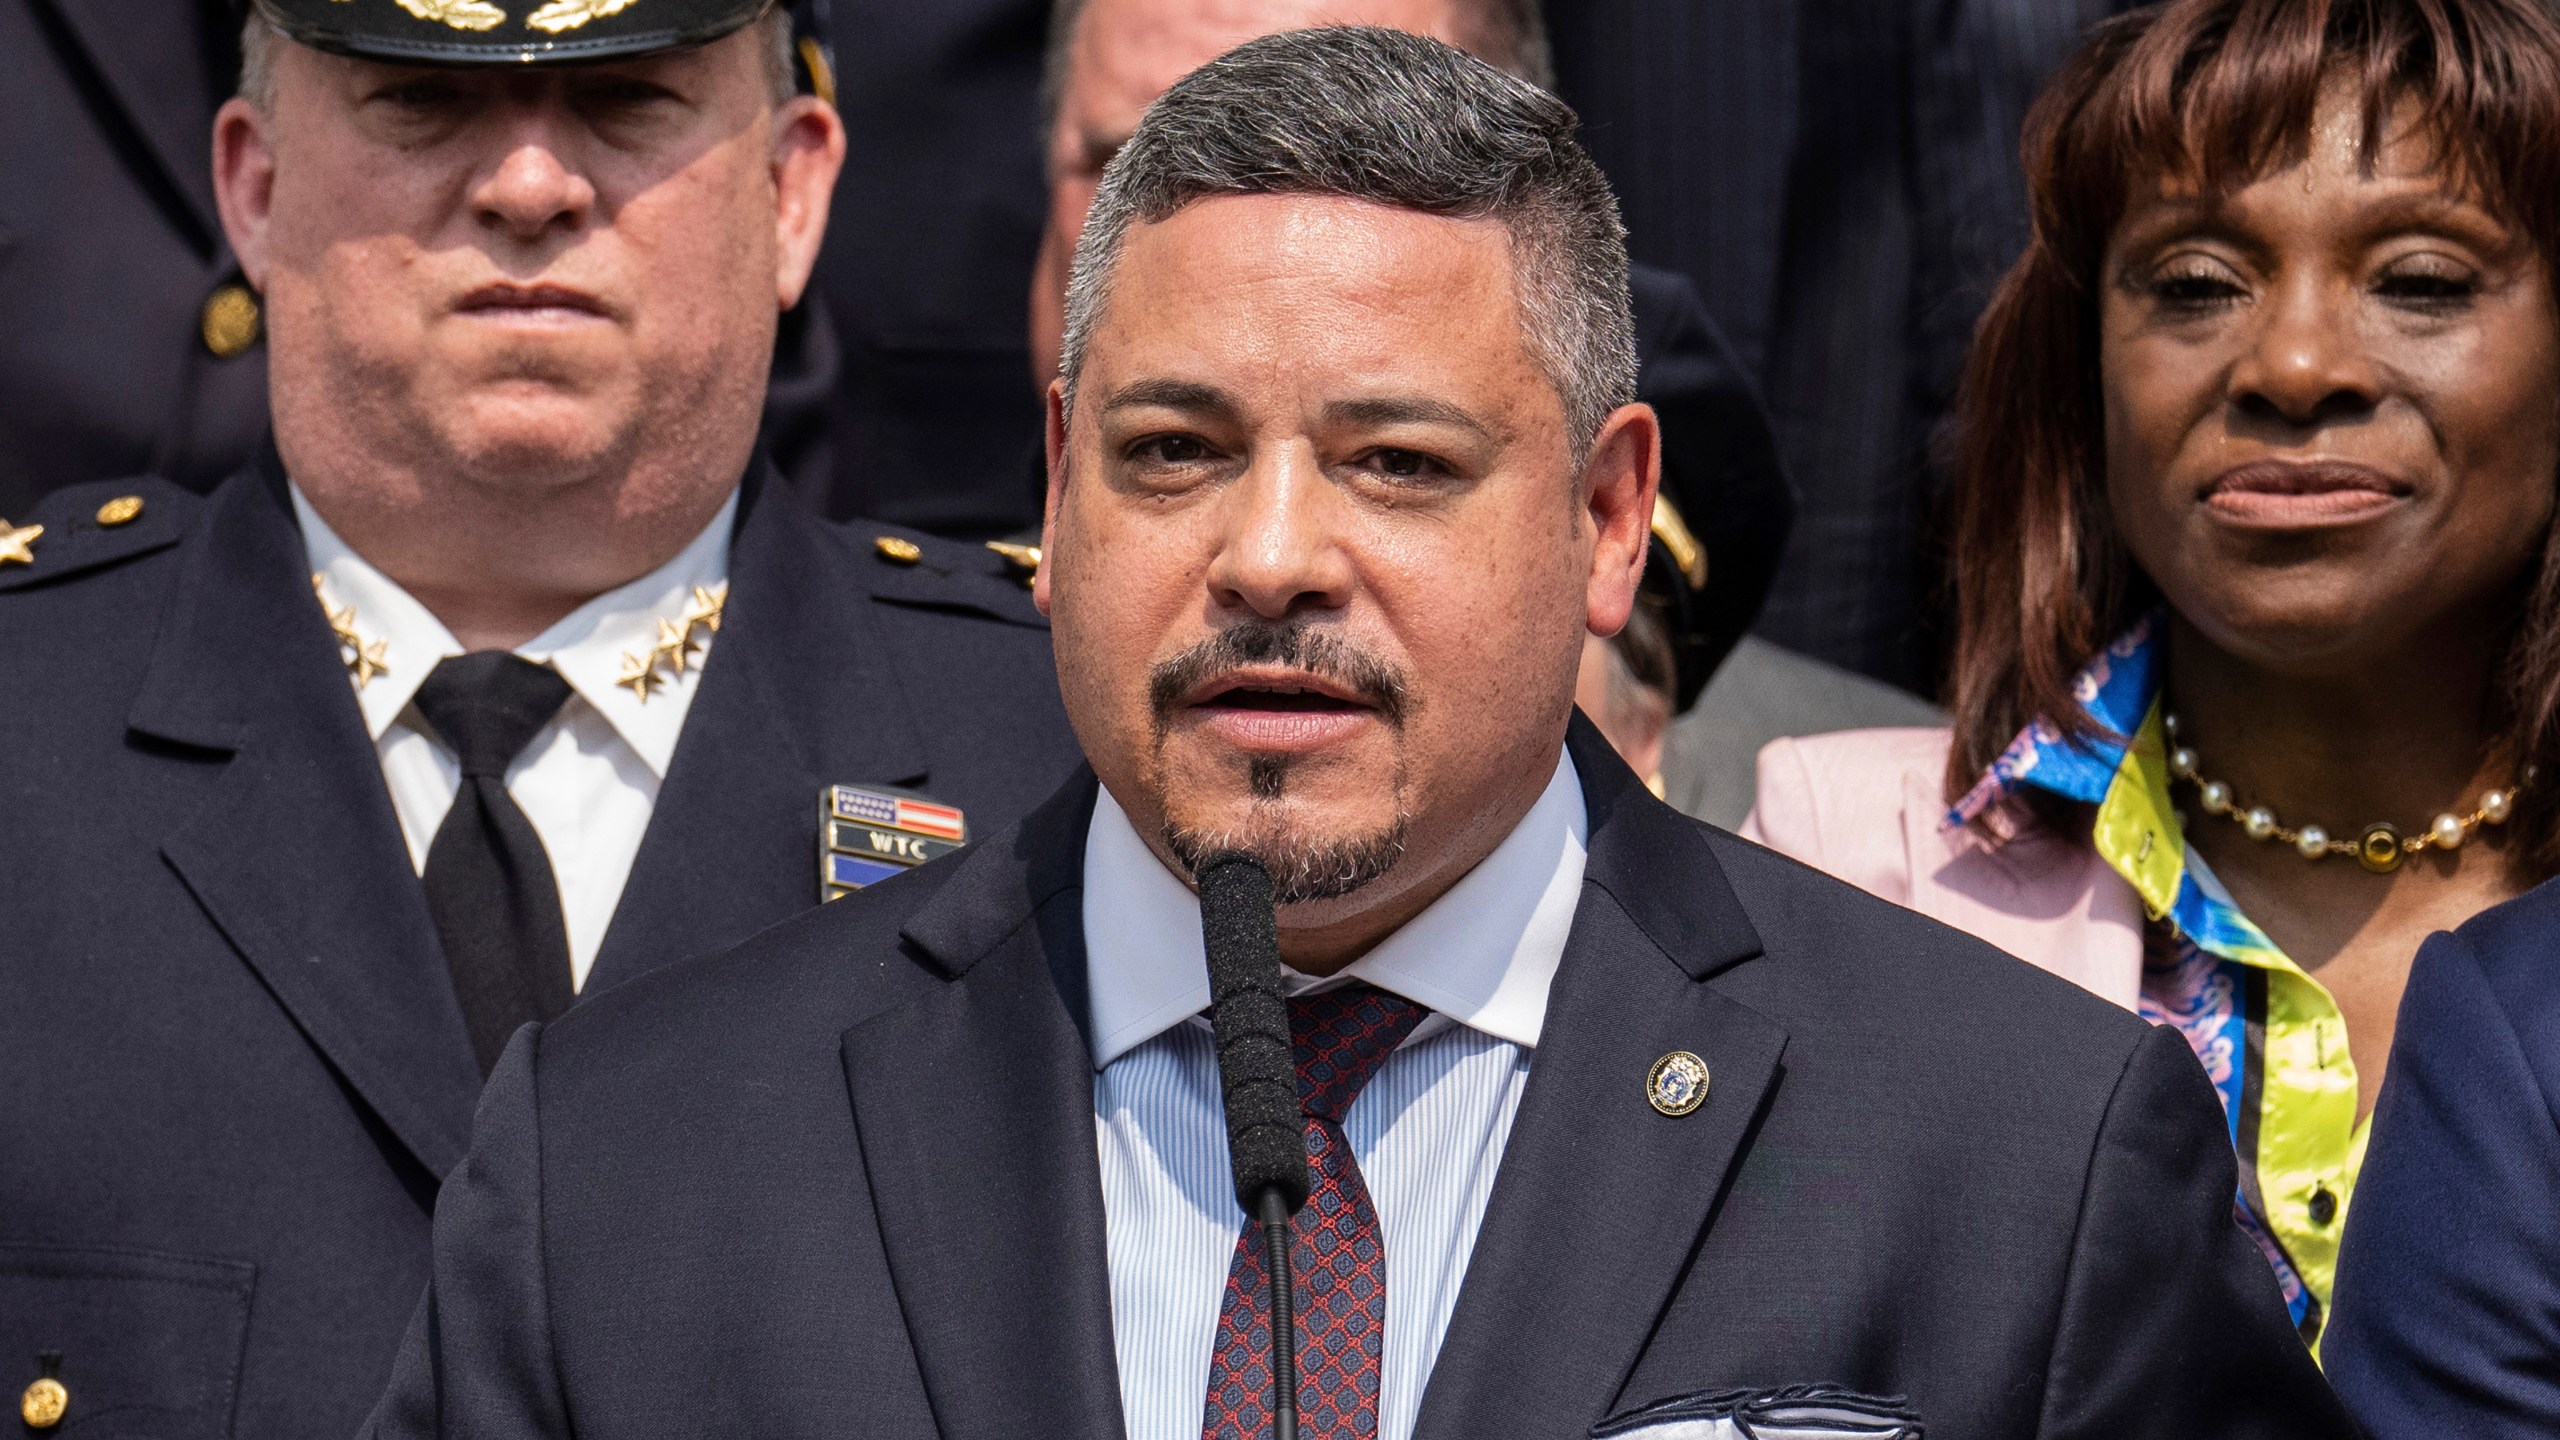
1868 806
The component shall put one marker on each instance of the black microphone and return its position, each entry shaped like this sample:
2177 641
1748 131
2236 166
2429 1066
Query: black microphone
1258 1071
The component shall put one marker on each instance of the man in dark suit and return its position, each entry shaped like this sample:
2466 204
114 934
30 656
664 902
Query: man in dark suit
1601 1108
2448 1313
580 691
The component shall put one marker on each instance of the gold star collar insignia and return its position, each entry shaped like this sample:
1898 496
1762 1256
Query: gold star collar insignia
681 643
14 540
363 658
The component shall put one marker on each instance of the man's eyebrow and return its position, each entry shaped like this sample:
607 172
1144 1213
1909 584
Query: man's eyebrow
1404 410
1169 395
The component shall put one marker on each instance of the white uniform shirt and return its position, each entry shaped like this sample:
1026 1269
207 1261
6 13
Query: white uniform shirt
1427 1131
589 781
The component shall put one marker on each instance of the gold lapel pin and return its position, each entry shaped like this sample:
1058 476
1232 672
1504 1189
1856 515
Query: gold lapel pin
1677 1084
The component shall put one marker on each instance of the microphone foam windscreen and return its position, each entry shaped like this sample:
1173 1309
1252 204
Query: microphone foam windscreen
1257 1068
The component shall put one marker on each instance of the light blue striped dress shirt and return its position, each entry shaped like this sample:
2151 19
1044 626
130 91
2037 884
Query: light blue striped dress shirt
1428 1131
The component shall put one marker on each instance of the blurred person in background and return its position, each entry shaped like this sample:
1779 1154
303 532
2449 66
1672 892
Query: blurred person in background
1841 181
129 341
1727 504
2256 458
937 214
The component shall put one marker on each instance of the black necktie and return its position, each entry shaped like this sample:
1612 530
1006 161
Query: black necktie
489 883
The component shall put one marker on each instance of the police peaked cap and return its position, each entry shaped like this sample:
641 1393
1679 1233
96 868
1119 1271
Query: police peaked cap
505 32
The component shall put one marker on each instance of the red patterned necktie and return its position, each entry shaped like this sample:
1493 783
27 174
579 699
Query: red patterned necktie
1339 1257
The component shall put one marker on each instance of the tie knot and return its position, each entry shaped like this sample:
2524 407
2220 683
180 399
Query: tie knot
488 705
1342 1036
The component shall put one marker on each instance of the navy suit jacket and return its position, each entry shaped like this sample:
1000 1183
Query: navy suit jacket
2447 1319
843 1180
232 1069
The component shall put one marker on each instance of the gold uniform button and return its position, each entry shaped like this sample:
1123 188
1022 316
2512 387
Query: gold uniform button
904 552
122 510
230 321
43 1404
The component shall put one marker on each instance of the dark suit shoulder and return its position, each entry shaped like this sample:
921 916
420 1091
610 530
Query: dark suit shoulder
2509 947
910 567
2512 945
1916 981
86 529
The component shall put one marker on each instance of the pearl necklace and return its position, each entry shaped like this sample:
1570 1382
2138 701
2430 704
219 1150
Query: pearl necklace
2380 847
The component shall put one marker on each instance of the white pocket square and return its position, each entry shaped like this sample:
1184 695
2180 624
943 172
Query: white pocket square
1797 1412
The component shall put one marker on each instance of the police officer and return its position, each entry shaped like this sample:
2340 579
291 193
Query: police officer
130 342
507 674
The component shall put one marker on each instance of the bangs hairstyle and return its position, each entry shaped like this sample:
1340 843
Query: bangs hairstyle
2215 94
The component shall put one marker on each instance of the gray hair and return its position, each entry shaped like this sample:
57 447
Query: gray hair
1395 119
1509 35
259 37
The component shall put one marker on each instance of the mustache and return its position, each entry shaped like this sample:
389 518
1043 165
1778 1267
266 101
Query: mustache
1296 644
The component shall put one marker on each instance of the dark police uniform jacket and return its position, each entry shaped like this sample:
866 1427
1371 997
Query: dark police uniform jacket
232 1068
843 1180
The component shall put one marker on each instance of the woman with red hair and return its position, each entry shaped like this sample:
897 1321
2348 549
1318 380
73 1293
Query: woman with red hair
2257 670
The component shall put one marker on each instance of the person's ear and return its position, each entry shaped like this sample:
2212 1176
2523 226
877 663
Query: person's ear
244 183
1618 484
808 150
1056 448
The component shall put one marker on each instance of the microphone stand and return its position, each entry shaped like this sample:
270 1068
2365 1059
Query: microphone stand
1258 1074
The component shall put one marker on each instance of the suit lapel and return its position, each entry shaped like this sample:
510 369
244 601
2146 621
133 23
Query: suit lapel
974 1107
159 82
797 693
299 859
1601 1199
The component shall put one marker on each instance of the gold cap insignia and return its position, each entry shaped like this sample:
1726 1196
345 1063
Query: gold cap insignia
460 14
562 15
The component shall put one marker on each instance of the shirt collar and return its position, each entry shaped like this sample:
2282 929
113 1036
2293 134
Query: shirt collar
588 646
2124 772
2118 689
1484 954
